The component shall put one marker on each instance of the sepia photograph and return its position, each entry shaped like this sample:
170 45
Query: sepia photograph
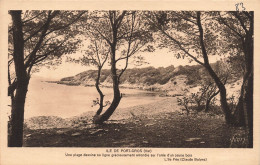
178 79
86 82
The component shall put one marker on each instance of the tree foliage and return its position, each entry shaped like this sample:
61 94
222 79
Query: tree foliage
46 35
124 34
34 38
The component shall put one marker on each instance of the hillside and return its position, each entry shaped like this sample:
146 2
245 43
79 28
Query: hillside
149 78
145 76
172 80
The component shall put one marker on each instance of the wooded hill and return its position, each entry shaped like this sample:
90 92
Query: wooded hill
148 76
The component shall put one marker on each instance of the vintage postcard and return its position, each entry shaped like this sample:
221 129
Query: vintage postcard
129 82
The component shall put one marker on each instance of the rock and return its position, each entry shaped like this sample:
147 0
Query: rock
92 132
146 142
91 126
146 125
28 135
192 139
76 134
60 132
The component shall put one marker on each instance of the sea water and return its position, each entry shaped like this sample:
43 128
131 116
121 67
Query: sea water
51 99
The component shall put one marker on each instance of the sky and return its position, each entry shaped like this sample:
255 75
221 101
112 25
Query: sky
159 58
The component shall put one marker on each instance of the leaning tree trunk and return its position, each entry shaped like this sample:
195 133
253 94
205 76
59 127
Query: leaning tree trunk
116 100
209 100
101 95
223 94
223 97
220 85
117 95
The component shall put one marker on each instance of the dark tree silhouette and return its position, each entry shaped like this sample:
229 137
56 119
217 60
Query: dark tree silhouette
96 54
35 38
199 34
184 31
125 34
239 29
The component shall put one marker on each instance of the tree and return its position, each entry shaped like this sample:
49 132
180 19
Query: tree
239 29
199 34
208 90
223 71
186 102
191 35
204 96
125 34
101 52
96 54
35 38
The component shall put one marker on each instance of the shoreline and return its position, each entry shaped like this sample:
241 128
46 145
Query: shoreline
48 122
152 89
159 124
